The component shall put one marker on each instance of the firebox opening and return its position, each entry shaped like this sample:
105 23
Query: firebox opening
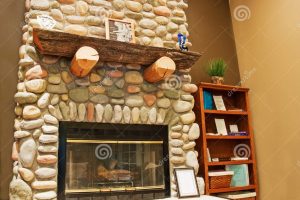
113 160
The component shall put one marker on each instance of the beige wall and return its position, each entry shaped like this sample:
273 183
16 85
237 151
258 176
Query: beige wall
11 16
211 33
210 30
268 47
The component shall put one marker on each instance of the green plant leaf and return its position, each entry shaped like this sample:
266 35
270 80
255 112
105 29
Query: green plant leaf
216 67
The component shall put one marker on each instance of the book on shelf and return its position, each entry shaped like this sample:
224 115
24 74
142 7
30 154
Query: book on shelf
220 159
224 159
220 173
235 110
238 195
213 134
239 133
208 100
241 175
234 131
208 155
228 159
219 103
239 158
215 160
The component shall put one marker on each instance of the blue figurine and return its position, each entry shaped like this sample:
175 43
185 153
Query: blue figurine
182 41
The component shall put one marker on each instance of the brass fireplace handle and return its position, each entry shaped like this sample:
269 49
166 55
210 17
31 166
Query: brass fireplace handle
107 190
104 190
130 189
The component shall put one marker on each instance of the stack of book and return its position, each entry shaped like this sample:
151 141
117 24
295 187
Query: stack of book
238 195
224 159
238 133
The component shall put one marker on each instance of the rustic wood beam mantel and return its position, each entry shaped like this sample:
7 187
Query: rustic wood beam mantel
59 43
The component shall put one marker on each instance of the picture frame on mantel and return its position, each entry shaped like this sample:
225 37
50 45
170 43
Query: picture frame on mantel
119 30
186 182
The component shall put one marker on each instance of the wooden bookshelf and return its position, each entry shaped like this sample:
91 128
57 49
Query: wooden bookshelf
221 146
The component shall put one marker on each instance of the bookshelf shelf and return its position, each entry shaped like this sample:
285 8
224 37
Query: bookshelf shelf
234 97
232 189
211 137
233 162
225 112
227 88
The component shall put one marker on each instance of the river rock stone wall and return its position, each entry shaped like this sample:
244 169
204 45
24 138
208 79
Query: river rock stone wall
113 93
157 22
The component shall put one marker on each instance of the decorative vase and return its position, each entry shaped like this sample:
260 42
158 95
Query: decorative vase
217 79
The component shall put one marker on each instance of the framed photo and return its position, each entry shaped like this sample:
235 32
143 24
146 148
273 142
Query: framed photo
186 182
119 30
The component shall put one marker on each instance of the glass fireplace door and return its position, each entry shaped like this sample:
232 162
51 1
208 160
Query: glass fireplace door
105 166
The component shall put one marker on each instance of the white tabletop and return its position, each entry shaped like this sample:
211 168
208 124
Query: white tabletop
202 197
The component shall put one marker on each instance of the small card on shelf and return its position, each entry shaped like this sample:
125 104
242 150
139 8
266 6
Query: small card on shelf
221 127
234 128
219 103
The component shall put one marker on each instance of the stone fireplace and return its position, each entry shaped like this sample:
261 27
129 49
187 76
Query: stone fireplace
49 97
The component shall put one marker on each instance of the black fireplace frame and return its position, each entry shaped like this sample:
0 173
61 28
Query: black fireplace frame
110 131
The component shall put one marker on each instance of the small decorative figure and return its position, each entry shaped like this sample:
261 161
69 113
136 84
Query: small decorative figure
182 41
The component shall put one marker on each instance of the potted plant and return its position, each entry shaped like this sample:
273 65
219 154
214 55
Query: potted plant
216 70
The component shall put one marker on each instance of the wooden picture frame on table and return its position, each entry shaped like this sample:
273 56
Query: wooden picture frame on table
186 182
119 30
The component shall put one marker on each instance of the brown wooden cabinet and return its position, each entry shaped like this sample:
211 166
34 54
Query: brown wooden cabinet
236 100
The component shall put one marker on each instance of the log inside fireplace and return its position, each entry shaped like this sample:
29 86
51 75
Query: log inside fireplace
101 161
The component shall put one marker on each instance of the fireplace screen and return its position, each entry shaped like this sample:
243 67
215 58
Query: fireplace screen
98 160
99 166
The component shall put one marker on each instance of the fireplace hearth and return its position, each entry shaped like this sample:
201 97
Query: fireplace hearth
98 161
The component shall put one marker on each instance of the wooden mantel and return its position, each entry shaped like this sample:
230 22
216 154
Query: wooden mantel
65 44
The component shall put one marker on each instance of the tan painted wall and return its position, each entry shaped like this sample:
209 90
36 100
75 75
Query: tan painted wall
211 33
268 46
207 21
11 16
